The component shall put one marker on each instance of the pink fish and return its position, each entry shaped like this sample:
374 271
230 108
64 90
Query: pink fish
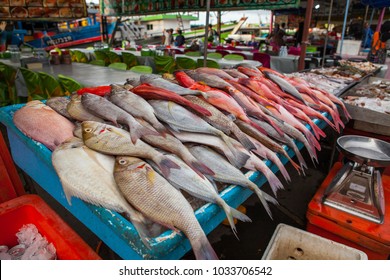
43 124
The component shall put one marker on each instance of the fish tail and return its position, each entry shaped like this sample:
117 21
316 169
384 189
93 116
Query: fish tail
137 130
202 249
232 213
316 130
200 168
312 140
142 231
312 151
165 164
239 158
273 181
283 170
301 160
244 140
293 163
263 198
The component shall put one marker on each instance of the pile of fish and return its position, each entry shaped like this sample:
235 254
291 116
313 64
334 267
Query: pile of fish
136 149
373 96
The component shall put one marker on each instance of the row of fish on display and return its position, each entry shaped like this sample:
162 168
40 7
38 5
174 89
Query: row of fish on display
135 149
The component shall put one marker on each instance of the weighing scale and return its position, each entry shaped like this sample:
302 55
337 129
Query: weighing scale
357 187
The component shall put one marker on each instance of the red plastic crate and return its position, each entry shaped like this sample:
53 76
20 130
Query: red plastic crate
31 209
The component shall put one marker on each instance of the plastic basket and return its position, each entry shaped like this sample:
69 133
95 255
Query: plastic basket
290 243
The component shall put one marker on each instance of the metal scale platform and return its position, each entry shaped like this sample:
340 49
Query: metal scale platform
357 187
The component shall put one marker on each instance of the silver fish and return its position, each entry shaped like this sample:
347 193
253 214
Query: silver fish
59 105
78 112
160 201
227 173
135 105
88 175
111 140
186 179
162 83
235 73
109 111
213 71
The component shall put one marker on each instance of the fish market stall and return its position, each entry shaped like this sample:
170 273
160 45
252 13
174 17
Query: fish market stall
57 157
369 105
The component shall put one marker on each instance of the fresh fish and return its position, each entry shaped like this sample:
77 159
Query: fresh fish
113 113
186 179
173 145
215 142
180 119
160 201
135 105
266 141
78 130
235 73
78 112
284 85
59 105
88 175
247 66
164 84
227 173
337 101
251 72
283 139
266 153
149 92
209 79
222 122
213 71
188 82
260 88
43 124
111 140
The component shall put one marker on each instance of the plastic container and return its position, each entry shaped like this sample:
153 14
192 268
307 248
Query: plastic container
31 209
290 243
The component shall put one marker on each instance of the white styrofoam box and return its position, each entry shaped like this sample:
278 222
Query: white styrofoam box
290 243
350 47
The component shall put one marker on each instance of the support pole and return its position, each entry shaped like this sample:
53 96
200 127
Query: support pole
206 33
327 34
305 35
344 26
380 20
219 19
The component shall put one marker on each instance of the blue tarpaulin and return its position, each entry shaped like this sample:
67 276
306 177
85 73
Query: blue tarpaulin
376 3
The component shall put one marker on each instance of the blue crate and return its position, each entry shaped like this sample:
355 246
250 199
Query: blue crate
114 230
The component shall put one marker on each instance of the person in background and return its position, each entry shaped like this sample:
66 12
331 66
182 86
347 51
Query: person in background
299 34
379 40
179 40
213 35
275 38
168 37
367 36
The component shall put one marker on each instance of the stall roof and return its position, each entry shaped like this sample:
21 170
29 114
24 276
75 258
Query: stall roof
149 7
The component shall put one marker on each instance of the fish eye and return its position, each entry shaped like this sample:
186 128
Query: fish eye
88 130
122 161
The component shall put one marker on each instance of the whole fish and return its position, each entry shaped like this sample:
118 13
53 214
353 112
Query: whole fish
222 122
111 140
152 195
171 144
180 119
212 141
164 84
109 111
59 105
186 179
251 72
209 79
149 92
78 112
135 105
284 85
227 173
43 124
235 73
186 81
285 139
214 71
88 175
266 141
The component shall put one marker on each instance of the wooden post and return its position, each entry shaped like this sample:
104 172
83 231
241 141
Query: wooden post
305 35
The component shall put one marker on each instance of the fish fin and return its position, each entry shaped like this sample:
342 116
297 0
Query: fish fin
165 164
240 158
273 181
263 199
68 194
301 160
137 131
200 168
232 213
212 181
203 249
150 175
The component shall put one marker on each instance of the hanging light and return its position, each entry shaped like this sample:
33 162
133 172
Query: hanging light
317 6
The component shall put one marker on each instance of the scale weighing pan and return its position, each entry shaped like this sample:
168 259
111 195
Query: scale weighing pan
365 150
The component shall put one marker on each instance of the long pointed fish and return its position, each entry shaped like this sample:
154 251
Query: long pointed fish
78 112
164 84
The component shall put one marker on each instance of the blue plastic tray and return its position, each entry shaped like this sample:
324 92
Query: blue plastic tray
117 232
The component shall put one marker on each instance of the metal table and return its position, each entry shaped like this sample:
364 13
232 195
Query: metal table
285 64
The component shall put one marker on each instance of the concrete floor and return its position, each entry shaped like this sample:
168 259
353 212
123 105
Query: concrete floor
254 236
